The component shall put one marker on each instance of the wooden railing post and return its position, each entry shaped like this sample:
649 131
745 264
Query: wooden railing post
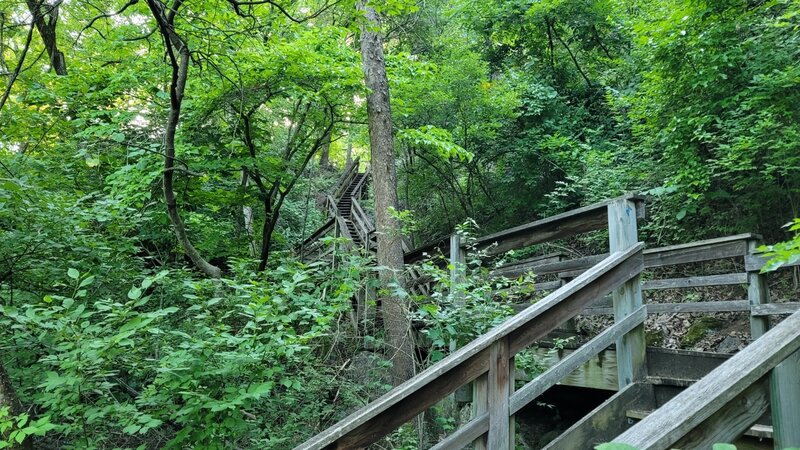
784 380
501 436
757 294
622 234
480 405
458 260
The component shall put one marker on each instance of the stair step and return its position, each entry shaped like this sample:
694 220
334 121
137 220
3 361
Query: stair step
667 381
756 431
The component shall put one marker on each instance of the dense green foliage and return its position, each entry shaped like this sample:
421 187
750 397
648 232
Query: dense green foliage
506 111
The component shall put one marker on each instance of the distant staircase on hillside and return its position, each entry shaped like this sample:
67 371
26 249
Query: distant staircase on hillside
346 217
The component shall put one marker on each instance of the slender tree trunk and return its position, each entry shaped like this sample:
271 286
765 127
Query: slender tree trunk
247 216
349 146
180 72
13 77
325 152
45 16
384 174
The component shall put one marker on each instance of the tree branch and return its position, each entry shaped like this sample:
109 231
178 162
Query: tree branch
21 61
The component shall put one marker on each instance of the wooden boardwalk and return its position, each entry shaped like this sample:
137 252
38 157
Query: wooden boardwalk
683 398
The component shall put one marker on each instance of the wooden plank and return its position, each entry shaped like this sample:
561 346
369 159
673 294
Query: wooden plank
480 407
732 420
529 262
607 420
498 395
711 249
439 246
784 401
581 220
754 263
458 259
599 372
622 234
757 431
699 251
547 286
770 309
673 308
682 364
692 407
706 250
465 435
404 402
547 268
690 282
548 379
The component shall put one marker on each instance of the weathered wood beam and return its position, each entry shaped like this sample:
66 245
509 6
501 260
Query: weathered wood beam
582 220
671 308
774 309
499 373
732 420
706 250
690 282
480 407
465 435
756 262
784 401
631 347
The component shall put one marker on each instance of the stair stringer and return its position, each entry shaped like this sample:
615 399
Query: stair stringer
608 420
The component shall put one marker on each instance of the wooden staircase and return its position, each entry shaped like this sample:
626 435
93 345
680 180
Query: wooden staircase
664 398
346 217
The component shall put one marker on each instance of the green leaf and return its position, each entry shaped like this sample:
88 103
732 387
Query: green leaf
132 428
260 389
73 273
118 137
615 446
723 447
134 293
87 281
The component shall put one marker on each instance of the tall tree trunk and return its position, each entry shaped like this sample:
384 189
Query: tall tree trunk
45 16
247 215
180 72
384 174
325 152
349 148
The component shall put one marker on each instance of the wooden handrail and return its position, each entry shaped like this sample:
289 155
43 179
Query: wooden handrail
357 191
570 223
738 384
699 251
319 233
412 397
344 178
361 221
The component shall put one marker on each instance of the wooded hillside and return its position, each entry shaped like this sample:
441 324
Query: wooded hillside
163 162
